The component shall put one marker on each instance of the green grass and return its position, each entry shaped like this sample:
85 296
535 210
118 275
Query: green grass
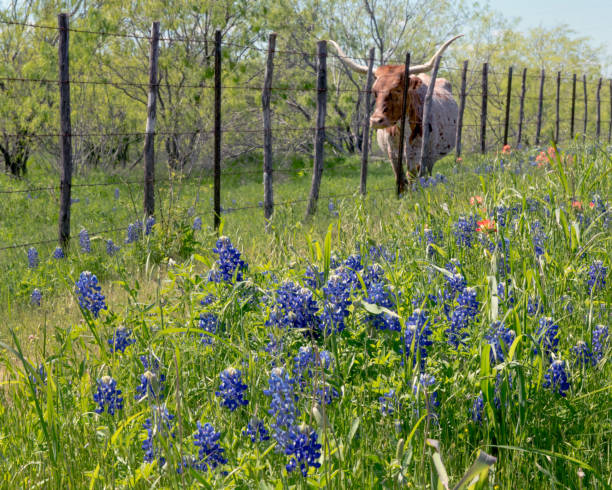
51 436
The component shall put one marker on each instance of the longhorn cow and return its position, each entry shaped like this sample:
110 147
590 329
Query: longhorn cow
386 118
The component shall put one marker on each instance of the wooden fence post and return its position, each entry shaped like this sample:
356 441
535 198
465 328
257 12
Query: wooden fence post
462 96
317 170
217 130
399 171
598 127
573 116
365 148
483 111
558 118
267 136
149 145
66 129
508 100
586 107
540 107
426 159
522 108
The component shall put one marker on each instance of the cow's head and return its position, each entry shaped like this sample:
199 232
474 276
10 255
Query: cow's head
388 92
389 85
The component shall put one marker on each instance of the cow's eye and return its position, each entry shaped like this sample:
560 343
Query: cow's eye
375 93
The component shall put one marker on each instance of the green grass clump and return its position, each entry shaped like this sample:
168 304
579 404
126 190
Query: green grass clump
411 334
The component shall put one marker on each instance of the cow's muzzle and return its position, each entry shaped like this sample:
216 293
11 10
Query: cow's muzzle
379 122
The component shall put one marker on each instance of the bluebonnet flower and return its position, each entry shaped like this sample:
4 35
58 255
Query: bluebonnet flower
302 361
501 215
326 395
210 454
556 378
379 294
597 276
84 241
461 316
313 278
538 237
432 402
477 408
58 253
158 427
108 397
546 337
228 263
36 297
583 355
600 341
337 301
431 238
209 323
152 381
33 260
381 253
303 448
149 225
500 339
389 403
331 206
467 300
232 389
116 192
295 307
354 263
464 230
208 299
39 378
373 274
282 404
121 339
455 283
88 293
197 224
151 386
503 266
416 336
133 232
534 306
256 430
111 248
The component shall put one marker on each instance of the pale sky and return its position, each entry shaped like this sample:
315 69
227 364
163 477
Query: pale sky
591 18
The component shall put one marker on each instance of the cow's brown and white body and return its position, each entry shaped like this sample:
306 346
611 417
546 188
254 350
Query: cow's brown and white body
444 114
388 92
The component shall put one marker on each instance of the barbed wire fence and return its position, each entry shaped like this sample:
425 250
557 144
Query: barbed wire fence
479 90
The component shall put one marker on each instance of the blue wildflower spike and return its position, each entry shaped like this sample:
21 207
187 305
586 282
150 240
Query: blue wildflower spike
256 431
158 428
84 241
597 276
111 248
36 297
33 259
88 293
228 263
121 339
416 336
303 449
601 341
582 354
210 454
556 378
208 322
232 389
108 397
58 253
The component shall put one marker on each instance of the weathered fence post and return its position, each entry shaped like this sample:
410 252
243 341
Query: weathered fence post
540 107
365 148
462 96
573 116
426 159
267 135
483 111
217 130
522 108
66 129
558 113
598 127
149 145
317 170
586 107
399 171
508 100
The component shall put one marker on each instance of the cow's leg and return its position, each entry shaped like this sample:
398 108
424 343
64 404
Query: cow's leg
413 159
389 142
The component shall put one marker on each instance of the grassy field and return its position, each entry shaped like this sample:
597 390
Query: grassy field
384 344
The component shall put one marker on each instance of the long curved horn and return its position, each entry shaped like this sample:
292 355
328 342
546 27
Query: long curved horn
351 64
430 64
